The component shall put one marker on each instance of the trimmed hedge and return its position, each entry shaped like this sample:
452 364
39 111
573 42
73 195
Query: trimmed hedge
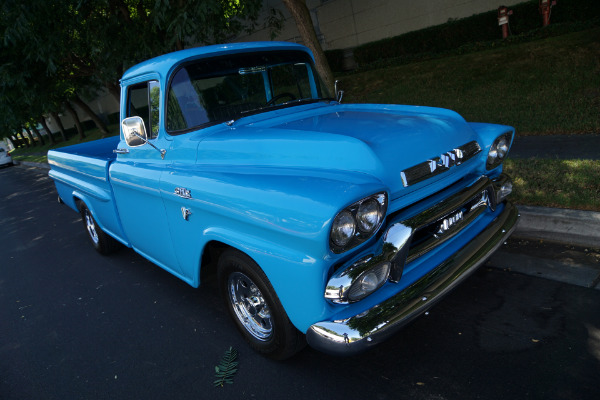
335 58
477 28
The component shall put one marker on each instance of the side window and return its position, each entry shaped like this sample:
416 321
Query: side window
143 100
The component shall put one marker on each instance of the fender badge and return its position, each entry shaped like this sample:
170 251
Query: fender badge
185 213
183 192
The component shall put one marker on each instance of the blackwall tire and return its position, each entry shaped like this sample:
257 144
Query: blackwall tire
103 243
255 307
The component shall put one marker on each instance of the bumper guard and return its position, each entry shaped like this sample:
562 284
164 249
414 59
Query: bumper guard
358 333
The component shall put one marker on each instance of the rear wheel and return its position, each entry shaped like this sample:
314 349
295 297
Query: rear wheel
255 308
102 242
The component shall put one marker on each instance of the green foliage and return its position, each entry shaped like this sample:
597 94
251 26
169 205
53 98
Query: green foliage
227 368
335 58
52 51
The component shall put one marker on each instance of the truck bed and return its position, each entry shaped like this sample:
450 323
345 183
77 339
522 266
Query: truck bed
81 174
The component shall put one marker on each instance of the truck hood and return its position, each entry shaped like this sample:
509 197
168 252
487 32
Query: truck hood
378 140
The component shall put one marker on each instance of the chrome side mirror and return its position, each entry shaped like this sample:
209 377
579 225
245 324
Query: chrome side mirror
134 133
339 94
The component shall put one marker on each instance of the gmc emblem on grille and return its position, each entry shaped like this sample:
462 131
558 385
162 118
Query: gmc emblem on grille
449 222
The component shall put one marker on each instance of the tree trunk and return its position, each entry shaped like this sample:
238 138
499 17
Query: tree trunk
75 117
30 135
86 109
12 142
60 125
37 133
23 139
48 131
306 28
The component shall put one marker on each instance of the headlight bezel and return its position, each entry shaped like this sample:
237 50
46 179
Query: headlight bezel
360 233
499 150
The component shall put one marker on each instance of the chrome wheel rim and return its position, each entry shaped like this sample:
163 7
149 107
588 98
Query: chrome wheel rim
91 226
249 306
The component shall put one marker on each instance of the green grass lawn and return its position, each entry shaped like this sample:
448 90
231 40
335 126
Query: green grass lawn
549 86
555 183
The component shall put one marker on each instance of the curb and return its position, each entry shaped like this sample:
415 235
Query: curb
570 227
32 164
581 228
566 272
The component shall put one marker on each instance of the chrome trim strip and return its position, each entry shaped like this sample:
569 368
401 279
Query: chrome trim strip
437 165
358 333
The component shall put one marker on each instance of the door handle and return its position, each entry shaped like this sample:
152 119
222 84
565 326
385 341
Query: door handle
121 151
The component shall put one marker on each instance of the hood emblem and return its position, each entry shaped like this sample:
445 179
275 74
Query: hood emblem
437 165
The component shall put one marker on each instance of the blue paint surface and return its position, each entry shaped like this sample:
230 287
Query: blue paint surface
269 183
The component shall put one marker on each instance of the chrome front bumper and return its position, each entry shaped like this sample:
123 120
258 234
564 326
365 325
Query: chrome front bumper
358 333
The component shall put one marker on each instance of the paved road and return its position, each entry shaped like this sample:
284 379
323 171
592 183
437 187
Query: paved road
76 325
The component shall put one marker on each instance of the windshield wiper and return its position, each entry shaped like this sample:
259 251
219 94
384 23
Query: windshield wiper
290 103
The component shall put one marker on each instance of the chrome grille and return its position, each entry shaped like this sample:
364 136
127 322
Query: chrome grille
429 236
439 218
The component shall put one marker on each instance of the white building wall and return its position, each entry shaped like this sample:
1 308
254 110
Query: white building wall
350 23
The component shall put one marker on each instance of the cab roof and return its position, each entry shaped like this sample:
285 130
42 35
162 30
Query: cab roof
165 63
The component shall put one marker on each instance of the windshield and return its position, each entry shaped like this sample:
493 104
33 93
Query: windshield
209 91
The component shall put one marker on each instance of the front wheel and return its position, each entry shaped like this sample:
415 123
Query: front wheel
255 308
103 243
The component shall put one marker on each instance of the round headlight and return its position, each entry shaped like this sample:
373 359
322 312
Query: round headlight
369 282
368 215
502 148
498 151
343 229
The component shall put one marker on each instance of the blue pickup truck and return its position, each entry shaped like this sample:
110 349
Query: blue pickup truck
326 223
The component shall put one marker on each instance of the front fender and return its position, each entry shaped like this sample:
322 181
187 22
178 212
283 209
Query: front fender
280 218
